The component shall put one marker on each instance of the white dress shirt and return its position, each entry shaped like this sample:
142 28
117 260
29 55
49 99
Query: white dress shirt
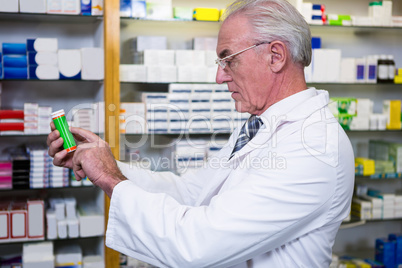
277 203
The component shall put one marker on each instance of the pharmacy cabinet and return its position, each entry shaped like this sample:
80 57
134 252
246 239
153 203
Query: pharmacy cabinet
71 32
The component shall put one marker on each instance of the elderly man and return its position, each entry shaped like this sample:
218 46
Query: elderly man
243 210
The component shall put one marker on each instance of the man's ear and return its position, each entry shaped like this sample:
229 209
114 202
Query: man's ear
279 54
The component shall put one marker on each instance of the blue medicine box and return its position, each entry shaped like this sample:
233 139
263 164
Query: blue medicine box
15 73
86 7
397 239
385 252
15 61
32 72
14 49
31 58
125 8
315 42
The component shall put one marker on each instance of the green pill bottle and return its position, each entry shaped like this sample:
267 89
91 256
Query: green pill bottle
59 119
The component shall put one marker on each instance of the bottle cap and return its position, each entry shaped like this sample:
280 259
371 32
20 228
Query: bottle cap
58 114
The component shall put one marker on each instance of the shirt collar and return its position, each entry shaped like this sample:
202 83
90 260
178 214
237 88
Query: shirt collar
282 109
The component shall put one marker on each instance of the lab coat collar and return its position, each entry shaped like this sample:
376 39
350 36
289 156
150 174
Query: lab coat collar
296 107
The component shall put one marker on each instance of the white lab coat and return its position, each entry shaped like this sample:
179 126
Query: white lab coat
277 203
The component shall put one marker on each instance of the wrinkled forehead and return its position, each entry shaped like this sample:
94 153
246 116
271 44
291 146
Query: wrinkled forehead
235 32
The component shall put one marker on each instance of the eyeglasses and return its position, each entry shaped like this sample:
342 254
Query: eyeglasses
222 62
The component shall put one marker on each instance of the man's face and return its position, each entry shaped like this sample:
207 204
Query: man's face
246 74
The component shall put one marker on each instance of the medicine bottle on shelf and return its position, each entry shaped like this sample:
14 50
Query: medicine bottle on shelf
382 75
391 68
371 69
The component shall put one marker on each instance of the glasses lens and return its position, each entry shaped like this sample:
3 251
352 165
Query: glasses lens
221 63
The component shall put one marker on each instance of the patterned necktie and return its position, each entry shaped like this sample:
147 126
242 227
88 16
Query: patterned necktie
247 132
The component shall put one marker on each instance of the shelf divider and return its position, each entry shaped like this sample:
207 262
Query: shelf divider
112 98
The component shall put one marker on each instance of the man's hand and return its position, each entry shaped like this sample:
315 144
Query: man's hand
94 159
55 142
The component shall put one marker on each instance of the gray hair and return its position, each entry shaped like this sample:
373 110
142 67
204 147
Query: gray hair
277 20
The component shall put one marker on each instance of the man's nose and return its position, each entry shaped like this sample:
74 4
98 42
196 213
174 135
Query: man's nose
222 76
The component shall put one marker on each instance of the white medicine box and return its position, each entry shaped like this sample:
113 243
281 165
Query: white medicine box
9 6
33 6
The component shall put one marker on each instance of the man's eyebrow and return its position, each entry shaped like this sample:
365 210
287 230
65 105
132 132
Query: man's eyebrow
224 53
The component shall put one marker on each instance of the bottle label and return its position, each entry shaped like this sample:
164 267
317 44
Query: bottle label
383 72
360 72
372 74
391 72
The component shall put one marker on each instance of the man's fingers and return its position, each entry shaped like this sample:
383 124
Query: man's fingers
86 134
52 136
55 147
52 126
58 159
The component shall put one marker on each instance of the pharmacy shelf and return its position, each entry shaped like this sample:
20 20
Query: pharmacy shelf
47 189
41 17
369 85
161 20
355 27
52 240
396 175
50 80
313 26
356 222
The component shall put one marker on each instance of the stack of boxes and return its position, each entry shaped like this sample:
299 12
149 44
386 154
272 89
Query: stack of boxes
39 171
62 221
154 63
58 176
328 66
385 252
132 118
371 204
90 118
6 181
11 122
344 109
21 169
194 108
32 251
364 110
68 256
43 58
44 119
388 203
380 13
156 111
398 206
190 155
357 114
22 220
392 109
68 7
15 62
361 209
387 151
31 120
314 13
179 108
162 9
